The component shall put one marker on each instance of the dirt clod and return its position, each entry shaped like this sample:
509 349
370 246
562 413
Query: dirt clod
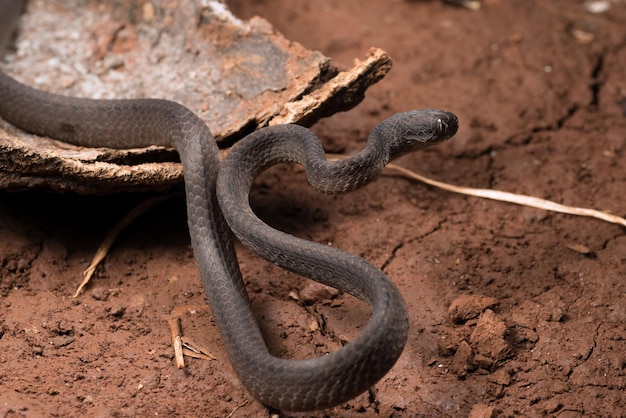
469 307
488 337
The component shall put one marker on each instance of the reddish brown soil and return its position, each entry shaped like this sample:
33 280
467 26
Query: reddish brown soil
506 319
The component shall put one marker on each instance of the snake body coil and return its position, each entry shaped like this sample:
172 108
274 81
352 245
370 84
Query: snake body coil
217 202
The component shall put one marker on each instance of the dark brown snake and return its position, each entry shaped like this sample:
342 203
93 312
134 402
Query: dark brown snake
218 203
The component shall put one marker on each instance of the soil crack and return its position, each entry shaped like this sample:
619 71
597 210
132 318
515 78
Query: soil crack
596 81
401 244
392 256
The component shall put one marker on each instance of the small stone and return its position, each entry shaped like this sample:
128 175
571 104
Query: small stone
61 341
480 410
117 311
100 293
315 292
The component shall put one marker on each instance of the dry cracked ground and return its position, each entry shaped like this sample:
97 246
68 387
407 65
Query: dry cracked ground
513 311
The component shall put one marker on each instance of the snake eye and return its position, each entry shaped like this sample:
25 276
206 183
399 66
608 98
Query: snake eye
440 126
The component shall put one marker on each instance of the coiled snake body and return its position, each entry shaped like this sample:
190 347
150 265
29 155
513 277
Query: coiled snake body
217 203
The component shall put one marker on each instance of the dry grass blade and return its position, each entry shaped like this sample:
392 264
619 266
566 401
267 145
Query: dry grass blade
518 199
112 235
523 200
195 350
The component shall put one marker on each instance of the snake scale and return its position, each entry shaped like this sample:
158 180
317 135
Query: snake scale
218 208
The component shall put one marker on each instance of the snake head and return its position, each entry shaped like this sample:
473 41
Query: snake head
414 130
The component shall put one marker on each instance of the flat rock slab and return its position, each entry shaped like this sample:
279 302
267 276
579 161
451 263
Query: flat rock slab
236 75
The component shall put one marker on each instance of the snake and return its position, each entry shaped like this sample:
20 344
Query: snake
219 211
